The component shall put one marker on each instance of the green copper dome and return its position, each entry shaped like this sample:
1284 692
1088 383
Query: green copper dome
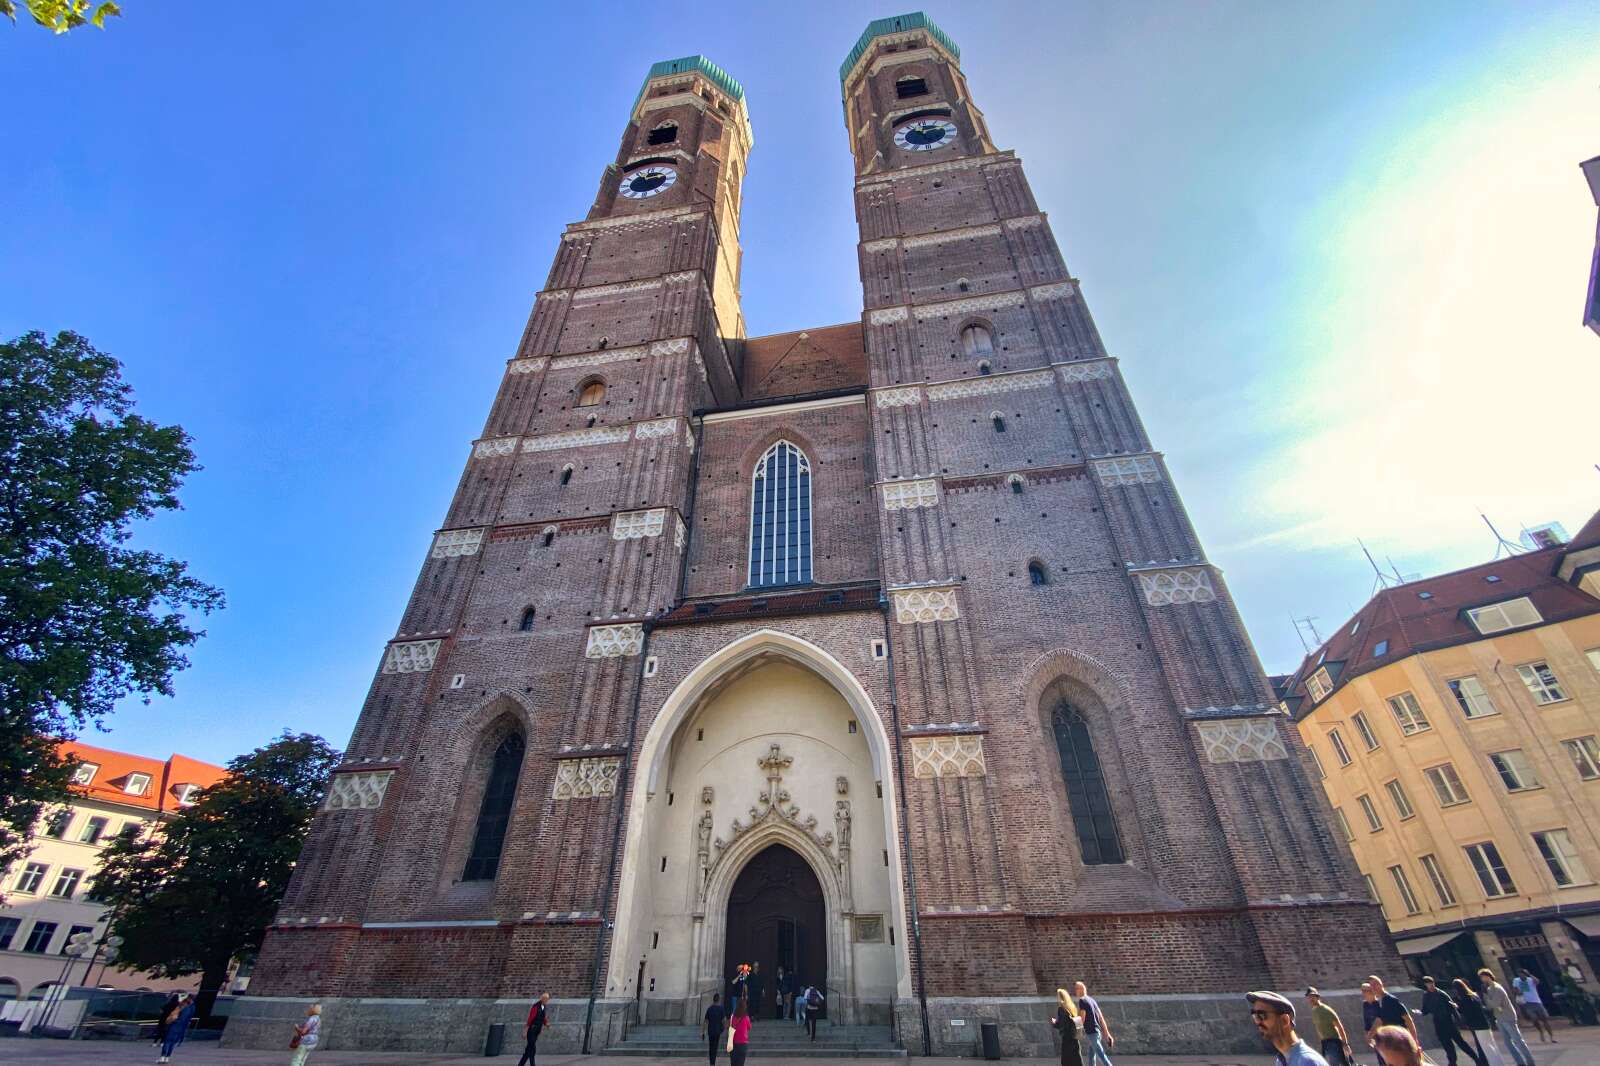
898 24
688 64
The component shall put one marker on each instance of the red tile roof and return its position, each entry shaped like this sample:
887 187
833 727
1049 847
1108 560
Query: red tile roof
1422 615
803 362
114 767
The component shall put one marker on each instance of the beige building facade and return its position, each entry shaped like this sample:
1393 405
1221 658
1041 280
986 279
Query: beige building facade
1455 723
49 895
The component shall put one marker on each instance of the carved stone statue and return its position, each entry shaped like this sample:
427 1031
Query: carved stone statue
703 828
707 795
841 818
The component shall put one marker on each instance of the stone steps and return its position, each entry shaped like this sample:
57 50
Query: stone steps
770 1037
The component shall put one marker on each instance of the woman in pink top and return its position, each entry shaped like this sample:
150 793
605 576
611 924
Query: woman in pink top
740 1028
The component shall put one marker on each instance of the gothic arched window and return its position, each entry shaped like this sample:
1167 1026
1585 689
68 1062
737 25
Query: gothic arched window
780 517
592 394
999 421
566 473
494 814
528 618
977 340
1036 573
1086 787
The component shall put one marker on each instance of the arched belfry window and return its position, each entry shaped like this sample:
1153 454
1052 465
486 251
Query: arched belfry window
1037 574
780 517
1086 784
977 340
592 393
494 813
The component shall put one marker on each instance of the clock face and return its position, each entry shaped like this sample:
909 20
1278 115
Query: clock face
925 134
648 181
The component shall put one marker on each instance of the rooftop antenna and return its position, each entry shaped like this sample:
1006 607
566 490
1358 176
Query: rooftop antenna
1383 579
1398 576
1501 543
1309 621
1297 632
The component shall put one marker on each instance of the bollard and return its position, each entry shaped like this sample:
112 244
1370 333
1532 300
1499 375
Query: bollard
991 1040
496 1039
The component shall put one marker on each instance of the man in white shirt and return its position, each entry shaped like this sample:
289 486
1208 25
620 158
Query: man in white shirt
1532 1004
1497 999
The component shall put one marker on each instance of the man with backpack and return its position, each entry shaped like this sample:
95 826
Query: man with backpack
811 1001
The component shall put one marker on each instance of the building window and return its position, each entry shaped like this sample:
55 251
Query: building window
1320 685
780 517
1086 788
1340 752
1344 826
1515 772
136 784
999 422
1317 760
39 938
665 133
1370 809
977 340
1446 784
1372 893
1585 752
1402 802
1471 697
906 88
1499 617
8 929
32 874
592 393
185 794
1491 871
1036 573
1016 484
84 774
1380 649
1436 878
1407 897
1594 658
56 825
1408 713
1561 857
129 830
566 476
528 618
93 830
1368 739
1541 682
66 941
66 883
494 813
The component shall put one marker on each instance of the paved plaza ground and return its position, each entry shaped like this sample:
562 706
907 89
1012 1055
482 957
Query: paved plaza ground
1577 1047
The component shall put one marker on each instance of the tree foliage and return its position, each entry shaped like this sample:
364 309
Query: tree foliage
62 16
84 619
200 891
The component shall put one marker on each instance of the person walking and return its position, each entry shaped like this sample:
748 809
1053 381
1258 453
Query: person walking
1498 1000
161 1018
1531 1004
177 1025
813 1006
306 1035
1391 1011
1096 1033
739 1033
1066 1023
712 1024
800 991
1446 1022
1369 1016
1478 1019
538 1018
1397 1046
1274 1019
1333 1041
757 986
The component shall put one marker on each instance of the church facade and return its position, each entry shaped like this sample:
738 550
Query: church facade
882 651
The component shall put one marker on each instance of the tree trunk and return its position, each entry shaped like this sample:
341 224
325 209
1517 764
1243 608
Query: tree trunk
212 979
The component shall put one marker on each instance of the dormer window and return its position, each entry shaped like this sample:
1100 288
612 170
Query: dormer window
136 784
185 794
1498 617
84 774
906 88
1320 685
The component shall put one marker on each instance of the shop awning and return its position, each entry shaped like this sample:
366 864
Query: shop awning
1423 944
1587 924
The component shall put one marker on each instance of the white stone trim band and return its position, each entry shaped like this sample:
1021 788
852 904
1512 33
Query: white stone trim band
610 642
452 542
948 756
912 606
411 657
361 791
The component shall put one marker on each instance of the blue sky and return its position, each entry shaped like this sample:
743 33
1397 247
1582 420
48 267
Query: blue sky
1340 250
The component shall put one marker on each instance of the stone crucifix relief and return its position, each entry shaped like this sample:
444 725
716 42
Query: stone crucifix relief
773 805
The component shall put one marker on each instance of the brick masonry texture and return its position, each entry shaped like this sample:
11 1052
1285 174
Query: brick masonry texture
1232 878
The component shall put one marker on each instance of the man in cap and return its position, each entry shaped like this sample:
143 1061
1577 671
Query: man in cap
1334 1041
1274 1018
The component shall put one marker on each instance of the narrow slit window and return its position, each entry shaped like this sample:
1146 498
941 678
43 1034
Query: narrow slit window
1036 573
566 474
528 618
999 421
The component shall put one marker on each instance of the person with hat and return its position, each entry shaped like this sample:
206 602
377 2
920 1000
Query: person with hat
1335 1042
1274 1018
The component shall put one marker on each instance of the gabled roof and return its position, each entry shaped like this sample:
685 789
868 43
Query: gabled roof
804 362
1423 615
113 768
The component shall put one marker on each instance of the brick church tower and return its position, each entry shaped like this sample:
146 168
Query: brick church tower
881 651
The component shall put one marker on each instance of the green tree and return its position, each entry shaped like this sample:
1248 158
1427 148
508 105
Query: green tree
63 15
198 892
84 619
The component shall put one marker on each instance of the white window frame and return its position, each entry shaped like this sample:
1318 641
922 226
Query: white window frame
1319 685
787 524
1370 809
1585 755
72 876
1513 764
1407 711
1473 704
1369 739
38 871
1488 870
1448 788
184 794
1340 752
137 784
1593 655
1401 801
1542 683
1436 877
1408 896
92 833
1507 614
1561 858
84 774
